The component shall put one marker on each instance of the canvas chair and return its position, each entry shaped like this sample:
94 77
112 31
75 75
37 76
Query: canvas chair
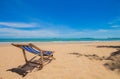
37 51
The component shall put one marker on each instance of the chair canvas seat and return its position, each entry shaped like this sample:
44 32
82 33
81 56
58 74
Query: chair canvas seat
30 49
34 51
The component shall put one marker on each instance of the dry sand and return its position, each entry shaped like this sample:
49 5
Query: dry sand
87 60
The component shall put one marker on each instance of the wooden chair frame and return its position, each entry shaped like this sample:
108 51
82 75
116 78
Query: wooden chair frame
40 50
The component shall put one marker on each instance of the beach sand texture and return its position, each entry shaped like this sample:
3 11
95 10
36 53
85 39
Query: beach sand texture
90 60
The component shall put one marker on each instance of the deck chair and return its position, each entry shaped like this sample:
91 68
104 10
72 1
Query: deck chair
37 51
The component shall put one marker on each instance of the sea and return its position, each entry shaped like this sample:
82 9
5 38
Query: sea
9 40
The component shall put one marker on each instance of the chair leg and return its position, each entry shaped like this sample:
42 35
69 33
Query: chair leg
25 56
51 56
41 62
41 66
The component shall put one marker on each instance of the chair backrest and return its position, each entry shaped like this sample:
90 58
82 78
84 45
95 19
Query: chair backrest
30 49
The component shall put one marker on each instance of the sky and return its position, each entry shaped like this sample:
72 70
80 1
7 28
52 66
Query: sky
59 18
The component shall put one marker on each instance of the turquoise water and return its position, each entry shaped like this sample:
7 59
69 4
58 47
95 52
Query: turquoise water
56 39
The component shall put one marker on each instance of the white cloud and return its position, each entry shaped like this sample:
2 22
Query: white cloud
8 32
115 26
100 33
102 30
51 30
115 21
18 24
104 33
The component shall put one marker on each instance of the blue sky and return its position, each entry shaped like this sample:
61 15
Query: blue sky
59 18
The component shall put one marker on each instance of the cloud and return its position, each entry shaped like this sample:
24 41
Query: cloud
100 33
15 33
102 30
115 21
18 24
115 26
46 33
52 30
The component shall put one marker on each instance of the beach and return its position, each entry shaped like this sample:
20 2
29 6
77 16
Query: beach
74 60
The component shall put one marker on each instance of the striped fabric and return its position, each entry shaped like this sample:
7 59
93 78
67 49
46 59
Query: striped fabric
46 53
32 50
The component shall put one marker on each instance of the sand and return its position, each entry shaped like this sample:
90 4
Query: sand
77 60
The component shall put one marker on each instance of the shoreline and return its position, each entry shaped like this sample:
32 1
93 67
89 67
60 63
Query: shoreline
60 42
7 44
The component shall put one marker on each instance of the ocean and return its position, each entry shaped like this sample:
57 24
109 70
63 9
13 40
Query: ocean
56 39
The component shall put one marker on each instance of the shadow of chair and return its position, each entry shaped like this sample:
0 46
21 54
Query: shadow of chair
26 68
